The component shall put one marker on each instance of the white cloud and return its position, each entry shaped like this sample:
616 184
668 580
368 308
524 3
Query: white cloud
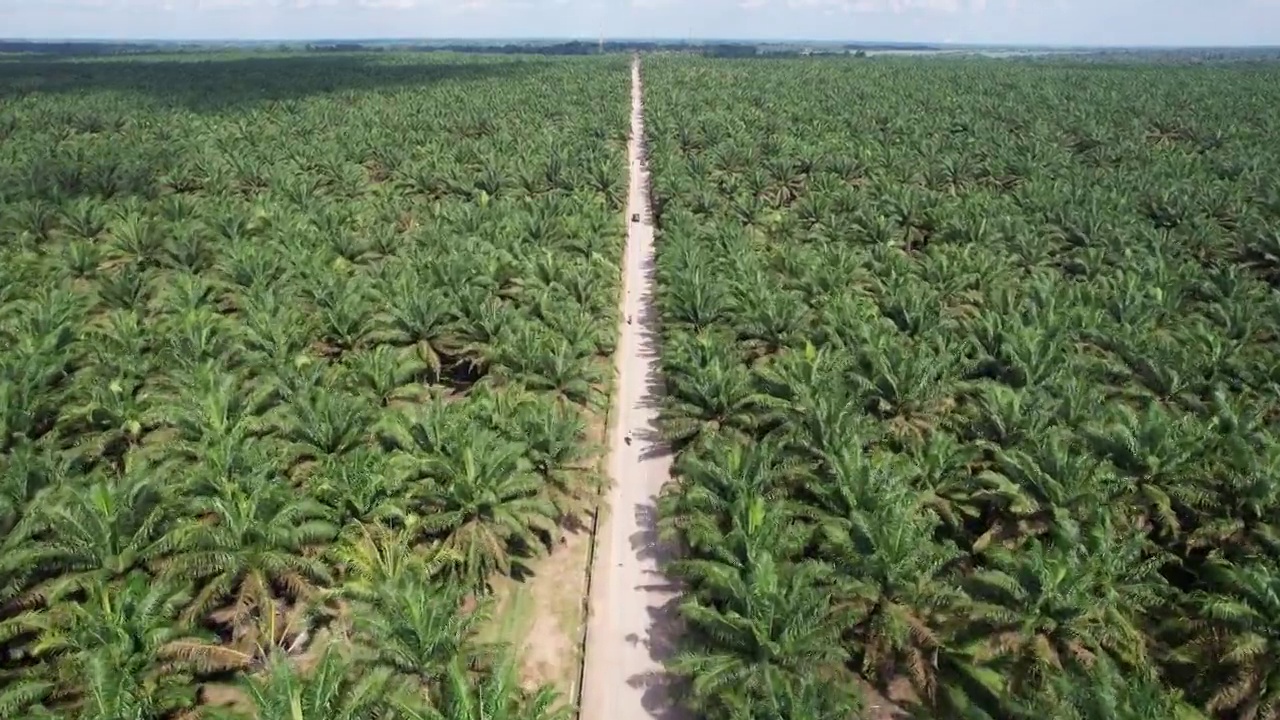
892 6
198 5
395 4
899 6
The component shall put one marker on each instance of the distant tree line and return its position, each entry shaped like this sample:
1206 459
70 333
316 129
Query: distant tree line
573 47
722 49
76 48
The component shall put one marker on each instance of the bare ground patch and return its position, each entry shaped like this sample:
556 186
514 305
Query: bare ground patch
878 706
543 616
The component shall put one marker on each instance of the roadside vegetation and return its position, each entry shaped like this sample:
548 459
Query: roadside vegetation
299 358
973 386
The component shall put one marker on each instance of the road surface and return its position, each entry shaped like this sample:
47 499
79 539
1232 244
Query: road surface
631 604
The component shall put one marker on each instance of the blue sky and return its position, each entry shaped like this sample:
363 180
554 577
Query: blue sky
1093 22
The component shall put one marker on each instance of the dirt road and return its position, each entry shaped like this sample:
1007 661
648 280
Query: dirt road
629 628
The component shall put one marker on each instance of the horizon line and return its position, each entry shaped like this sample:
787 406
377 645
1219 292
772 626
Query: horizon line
621 39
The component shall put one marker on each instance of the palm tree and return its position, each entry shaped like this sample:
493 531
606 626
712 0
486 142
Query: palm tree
120 345
720 492
273 331
1020 354
907 384
214 415
137 239
418 628
32 391
765 629
369 558
810 698
694 301
346 321
1105 692
1248 484
322 424
481 329
769 319
1160 453
717 546
360 487
900 579
247 544
29 473
386 376
424 431
334 689
97 532
485 503
1050 606
1050 485
495 695
1232 628
122 647
422 322
942 470
556 443
542 361
111 693
250 265
811 410
999 416
709 394
115 417
196 337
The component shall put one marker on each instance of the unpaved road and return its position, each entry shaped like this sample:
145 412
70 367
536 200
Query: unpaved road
631 605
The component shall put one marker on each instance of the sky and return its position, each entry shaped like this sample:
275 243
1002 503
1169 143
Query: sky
1026 22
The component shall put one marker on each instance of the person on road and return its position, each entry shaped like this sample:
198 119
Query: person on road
627 439
628 319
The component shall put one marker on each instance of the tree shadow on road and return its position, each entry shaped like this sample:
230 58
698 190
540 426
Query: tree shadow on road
662 692
645 543
652 442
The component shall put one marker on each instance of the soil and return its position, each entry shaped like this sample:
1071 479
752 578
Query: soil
549 652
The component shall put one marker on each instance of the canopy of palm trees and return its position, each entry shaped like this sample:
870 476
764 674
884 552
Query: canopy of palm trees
972 384
297 349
